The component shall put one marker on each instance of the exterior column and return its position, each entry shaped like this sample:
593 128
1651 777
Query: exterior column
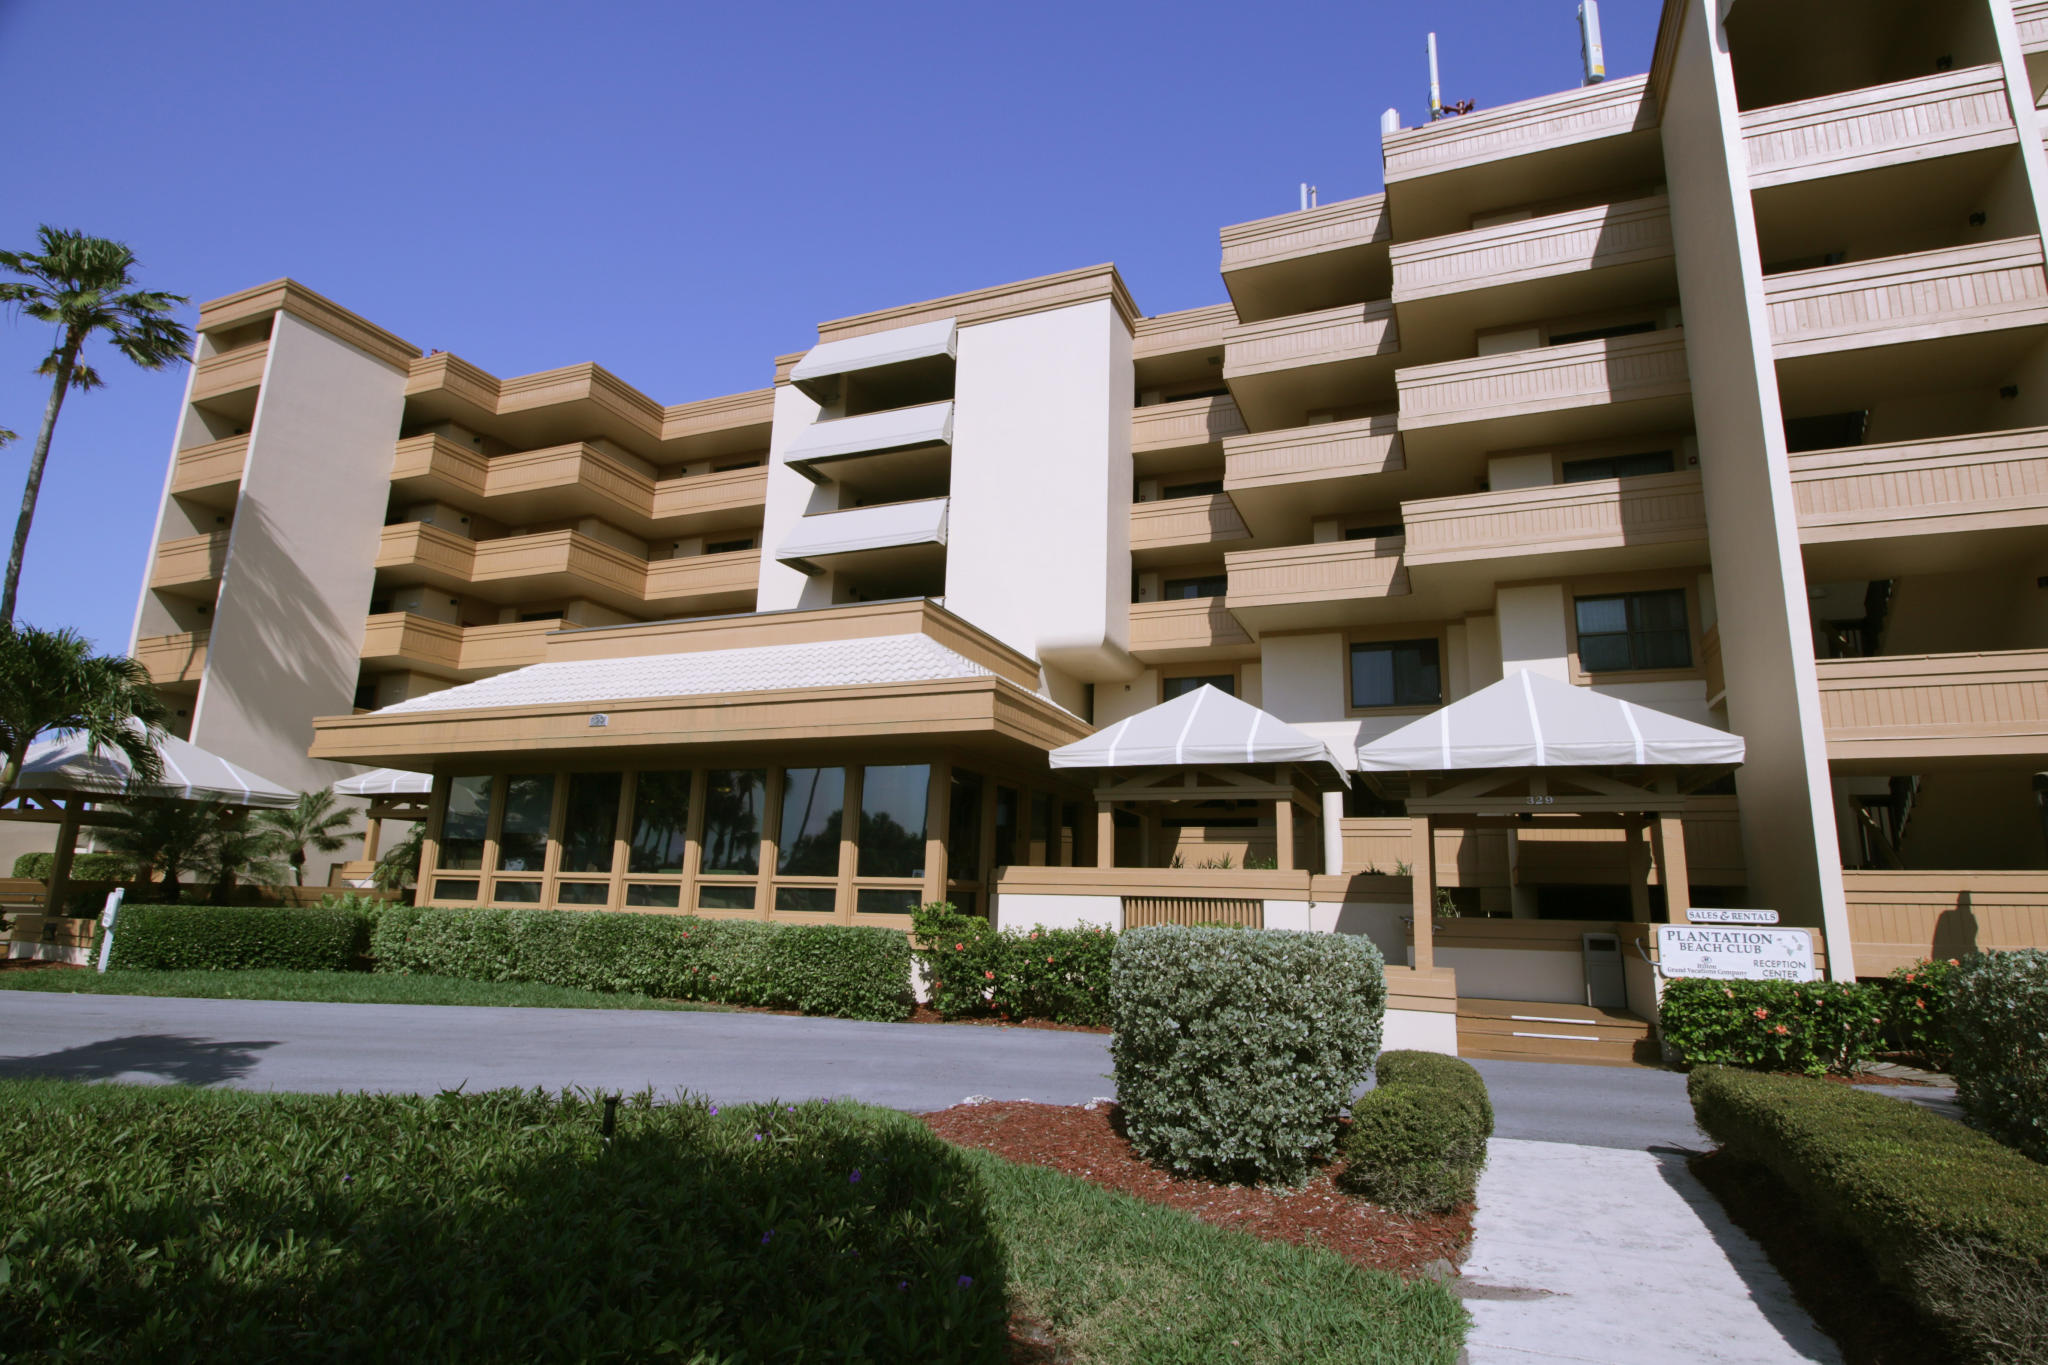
1422 890
1333 834
60 865
1105 835
1283 833
1638 872
1671 868
938 809
373 830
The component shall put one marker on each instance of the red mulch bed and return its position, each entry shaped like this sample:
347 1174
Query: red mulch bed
925 1014
1086 1143
25 964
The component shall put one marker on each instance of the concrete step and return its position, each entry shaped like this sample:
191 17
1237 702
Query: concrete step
1529 1030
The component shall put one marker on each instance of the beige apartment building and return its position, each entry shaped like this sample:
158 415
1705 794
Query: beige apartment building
1720 390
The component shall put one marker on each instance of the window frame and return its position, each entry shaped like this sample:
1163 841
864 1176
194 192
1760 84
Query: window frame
1625 585
1397 635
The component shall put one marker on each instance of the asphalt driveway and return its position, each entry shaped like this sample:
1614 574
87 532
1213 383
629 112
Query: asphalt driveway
737 1058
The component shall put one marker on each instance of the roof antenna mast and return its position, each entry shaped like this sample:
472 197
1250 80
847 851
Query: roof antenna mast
1592 54
1436 101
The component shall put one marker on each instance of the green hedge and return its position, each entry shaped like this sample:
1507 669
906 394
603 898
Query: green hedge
971 969
170 938
1236 1050
499 1226
85 867
1997 1018
1417 1139
1952 1219
853 971
1811 1026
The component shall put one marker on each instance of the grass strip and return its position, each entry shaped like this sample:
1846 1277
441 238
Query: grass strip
357 988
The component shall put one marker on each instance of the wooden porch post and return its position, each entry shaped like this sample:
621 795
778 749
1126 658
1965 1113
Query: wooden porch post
60 865
1283 833
1105 835
1638 872
1671 867
938 810
373 829
1422 893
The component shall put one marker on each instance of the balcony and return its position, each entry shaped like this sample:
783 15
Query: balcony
893 456
1946 114
1279 479
1154 339
699 585
1924 296
1896 708
1610 255
173 660
1281 370
1163 531
1191 428
1313 585
1308 260
574 481
190 566
732 497
229 380
1601 525
1929 506
553 564
1585 390
211 475
419 552
1440 174
1897 919
403 641
887 547
1189 628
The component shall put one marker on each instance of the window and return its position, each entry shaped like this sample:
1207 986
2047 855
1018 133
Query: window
813 804
464 826
1169 688
1634 630
728 547
1395 673
1006 827
1198 489
529 808
540 616
731 465
963 842
1828 431
1619 466
1182 589
1623 329
732 822
661 822
366 696
591 822
1392 528
892 809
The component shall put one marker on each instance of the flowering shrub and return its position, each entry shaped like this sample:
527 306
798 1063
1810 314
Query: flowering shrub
1236 1049
972 969
1810 1026
1998 1018
1916 1010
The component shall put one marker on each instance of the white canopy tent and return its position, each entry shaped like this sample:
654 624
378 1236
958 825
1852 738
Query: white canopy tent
385 782
1532 720
393 794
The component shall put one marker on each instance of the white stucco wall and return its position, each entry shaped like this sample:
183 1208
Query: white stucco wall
1532 630
1059 912
1419 1031
1379 921
1302 677
790 496
1516 974
287 629
1038 552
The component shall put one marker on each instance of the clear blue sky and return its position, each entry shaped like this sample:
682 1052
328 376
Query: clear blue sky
679 192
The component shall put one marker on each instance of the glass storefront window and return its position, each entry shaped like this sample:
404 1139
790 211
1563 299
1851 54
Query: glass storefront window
591 823
460 889
583 893
467 822
892 825
661 822
733 799
716 897
656 897
1006 827
809 900
1043 852
515 893
529 807
963 836
876 900
813 806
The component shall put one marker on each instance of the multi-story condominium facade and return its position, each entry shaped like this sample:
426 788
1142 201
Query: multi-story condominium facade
1721 390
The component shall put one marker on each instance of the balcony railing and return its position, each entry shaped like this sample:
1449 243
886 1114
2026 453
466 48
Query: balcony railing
190 566
578 561
1175 523
1938 115
172 659
1184 425
1342 226
417 548
1162 630
1545 379
1599 514
1355 331
1979 482
1907 706
574 480
1610 109
725 581
711 496
823 539
1899 918
1328 572
1332 450
405 640
1915 297
1173 333
211 473
1601 237
231 372
2032 18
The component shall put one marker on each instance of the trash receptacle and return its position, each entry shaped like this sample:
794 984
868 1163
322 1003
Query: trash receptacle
1606 981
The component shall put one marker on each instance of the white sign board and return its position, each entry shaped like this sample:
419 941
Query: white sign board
1698 915
1735 954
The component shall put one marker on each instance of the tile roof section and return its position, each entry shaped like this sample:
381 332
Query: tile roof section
765 668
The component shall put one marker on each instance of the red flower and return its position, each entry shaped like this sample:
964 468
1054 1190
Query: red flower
990 975
1034 935
1048 961
1955 962
1920 1004
1781 1029
1909 976
1762 1013
959 947
1730 994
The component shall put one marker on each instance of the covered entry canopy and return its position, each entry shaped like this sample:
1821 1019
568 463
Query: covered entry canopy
385 782
1531 720
64 766
1205 726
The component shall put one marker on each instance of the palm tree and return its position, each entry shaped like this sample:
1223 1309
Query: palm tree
82 285
52 683
239 849
399 867
315 822
159 833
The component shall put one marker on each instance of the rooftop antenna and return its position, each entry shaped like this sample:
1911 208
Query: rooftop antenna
1390 122
1591 52
1436 102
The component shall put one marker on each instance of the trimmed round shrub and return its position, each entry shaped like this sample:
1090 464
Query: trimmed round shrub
1237 1050
1417 1140
494 1227
170 938
1997 1020
85 867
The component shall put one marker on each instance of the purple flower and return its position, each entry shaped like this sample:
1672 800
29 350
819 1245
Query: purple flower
964 1281
766 1235
853 1179
757 1137
714 1111
903 1284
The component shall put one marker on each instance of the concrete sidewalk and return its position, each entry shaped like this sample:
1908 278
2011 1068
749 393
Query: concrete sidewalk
1595 1254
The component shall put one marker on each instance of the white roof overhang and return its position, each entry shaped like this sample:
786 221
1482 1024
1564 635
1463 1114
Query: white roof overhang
1205 727
819 372
872 433
385 782
819 539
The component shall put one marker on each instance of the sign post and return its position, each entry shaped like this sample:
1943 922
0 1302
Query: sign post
107 918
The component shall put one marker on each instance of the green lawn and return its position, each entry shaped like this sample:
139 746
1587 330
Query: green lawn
503 1226
358 988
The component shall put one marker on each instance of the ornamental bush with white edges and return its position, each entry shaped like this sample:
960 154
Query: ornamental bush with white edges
1997 1017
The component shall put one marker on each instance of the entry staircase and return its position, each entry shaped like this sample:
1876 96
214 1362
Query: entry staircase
1545 1031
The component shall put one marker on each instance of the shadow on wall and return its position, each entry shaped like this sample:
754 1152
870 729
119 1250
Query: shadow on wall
169 1057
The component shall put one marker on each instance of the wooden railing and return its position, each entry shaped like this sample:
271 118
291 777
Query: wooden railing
1599 514
1935 705
1899 918
1333 450
2032 18
178 658
1545 379
1187 624
1352 332
1331 227
1944 484
1943 114
215 465
1210 518
1332 571
1913 297
1191 422
1606 110
1600 237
